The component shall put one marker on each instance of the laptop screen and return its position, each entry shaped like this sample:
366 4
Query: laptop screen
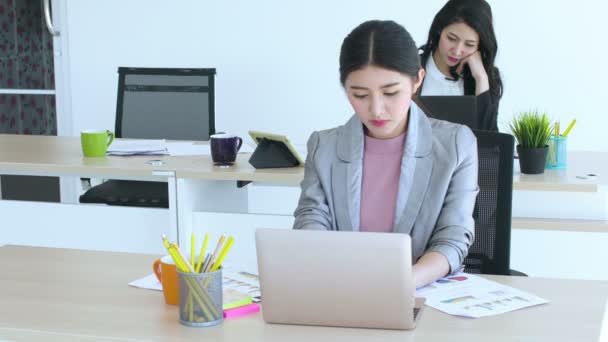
457 109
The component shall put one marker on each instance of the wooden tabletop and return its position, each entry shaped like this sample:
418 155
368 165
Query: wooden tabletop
73 295
54 156
49 155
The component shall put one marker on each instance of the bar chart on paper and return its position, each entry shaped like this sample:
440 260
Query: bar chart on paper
471 296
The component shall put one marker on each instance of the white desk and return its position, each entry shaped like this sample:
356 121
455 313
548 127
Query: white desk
580 163
73 295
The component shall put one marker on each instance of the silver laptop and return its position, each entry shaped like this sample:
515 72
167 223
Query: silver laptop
344 279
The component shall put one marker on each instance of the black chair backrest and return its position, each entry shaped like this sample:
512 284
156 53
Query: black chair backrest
165 103
490 252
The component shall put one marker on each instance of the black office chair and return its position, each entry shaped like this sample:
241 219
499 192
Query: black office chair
157 103
490 252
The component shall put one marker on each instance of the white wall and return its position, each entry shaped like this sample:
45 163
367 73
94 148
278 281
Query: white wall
277 65
277 61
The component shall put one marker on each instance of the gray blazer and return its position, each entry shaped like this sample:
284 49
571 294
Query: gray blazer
437 186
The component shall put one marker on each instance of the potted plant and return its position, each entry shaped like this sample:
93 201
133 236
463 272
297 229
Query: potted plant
532 131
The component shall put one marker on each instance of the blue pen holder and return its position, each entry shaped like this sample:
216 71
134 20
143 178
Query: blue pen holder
556 156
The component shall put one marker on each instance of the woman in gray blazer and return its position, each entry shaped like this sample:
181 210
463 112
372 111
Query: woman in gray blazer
390 168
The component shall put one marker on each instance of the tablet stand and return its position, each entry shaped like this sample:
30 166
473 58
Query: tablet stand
272 154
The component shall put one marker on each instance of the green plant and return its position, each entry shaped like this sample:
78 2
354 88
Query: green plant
531 129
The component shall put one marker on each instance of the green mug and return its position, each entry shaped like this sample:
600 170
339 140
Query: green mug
95 142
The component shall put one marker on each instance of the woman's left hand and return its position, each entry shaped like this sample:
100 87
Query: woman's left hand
477 71
475 64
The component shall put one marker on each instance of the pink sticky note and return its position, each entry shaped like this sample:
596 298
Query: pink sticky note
241 310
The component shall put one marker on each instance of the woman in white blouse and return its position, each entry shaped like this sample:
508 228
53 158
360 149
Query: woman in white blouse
462 47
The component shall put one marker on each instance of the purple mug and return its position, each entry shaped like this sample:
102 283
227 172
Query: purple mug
224 148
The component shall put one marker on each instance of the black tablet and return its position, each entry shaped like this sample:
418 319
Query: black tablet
273 151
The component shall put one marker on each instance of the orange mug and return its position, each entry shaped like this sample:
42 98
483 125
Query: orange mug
166 272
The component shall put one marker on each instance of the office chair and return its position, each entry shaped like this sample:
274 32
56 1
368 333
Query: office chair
490 252
157 103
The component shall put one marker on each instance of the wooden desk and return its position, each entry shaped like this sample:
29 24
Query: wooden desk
47 155
58 156
60 294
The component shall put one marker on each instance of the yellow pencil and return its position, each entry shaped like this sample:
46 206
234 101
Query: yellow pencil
201 256
165 241
220 259
167 245
172 250
179 263
570 126
192 244
183 259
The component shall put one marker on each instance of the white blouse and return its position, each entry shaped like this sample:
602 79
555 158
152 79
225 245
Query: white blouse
435 83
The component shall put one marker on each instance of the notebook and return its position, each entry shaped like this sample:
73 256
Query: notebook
344 279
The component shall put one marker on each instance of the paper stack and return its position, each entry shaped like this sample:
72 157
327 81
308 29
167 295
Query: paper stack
242 281
138 147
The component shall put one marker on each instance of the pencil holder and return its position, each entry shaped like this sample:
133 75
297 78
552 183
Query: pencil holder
556 155
200 298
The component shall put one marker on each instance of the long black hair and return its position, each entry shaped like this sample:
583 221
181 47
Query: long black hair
478 15
381 43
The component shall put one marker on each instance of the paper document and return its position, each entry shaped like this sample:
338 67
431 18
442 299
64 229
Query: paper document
133 147
244 282
473 296
188 148
149 282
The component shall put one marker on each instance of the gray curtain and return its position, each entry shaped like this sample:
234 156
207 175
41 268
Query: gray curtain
26 62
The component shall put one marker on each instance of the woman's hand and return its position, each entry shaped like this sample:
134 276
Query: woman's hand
430 267
477 71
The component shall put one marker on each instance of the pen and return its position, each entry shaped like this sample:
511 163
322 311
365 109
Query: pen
206 262
215 253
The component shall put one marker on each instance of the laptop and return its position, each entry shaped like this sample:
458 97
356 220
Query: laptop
342 279
457 109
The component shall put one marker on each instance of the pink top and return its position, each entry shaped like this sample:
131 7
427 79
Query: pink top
380 183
